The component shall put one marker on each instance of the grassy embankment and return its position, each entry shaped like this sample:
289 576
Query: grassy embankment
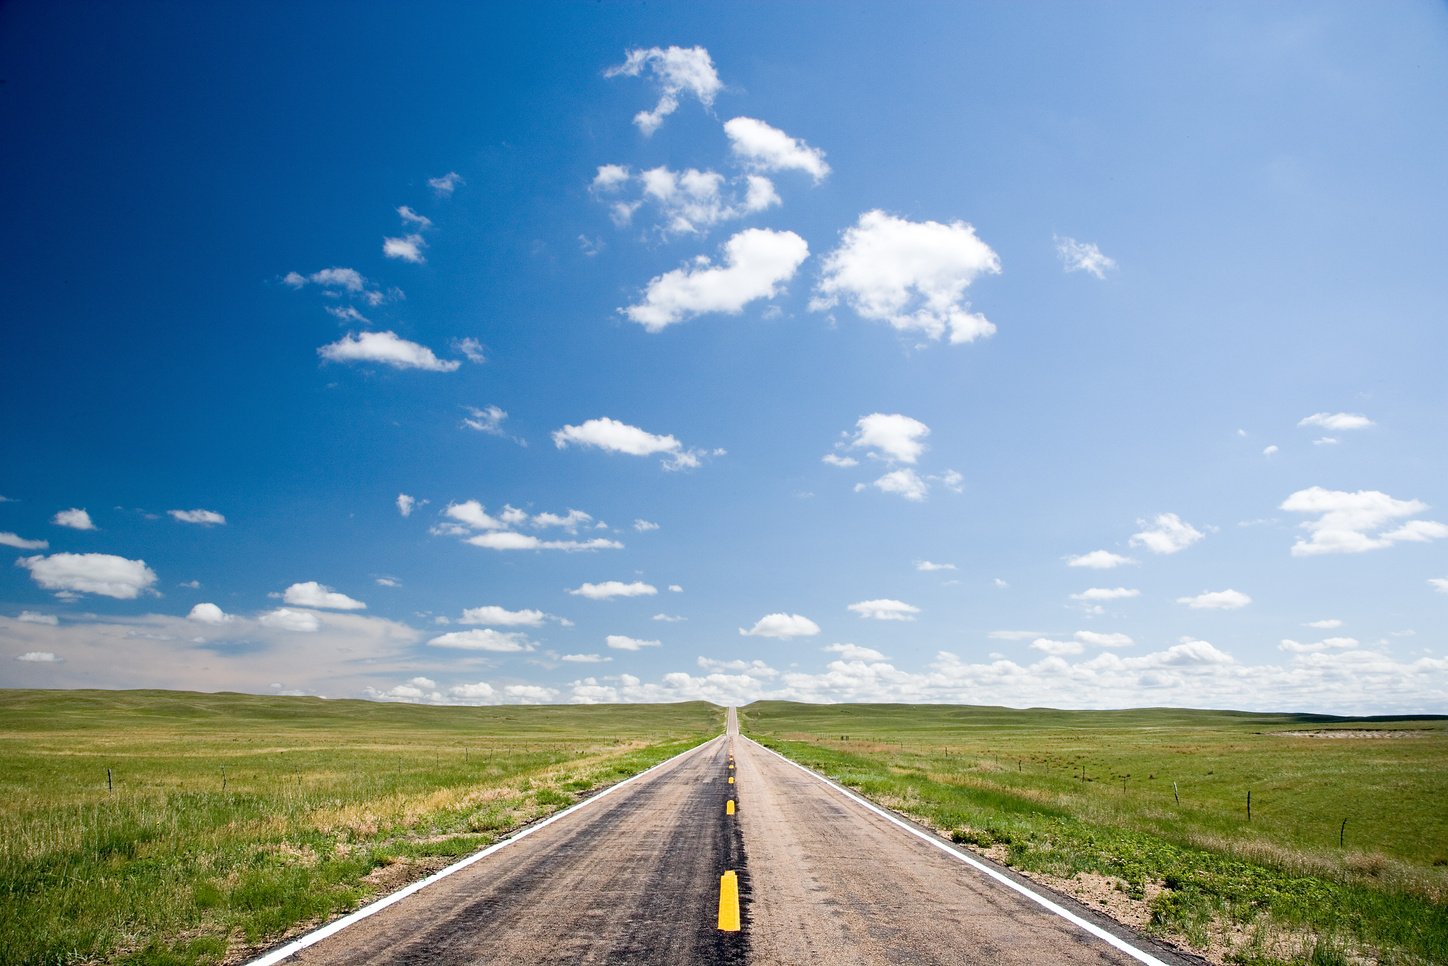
234 819
1278 888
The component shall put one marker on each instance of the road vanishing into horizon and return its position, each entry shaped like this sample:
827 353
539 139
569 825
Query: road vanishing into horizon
635 875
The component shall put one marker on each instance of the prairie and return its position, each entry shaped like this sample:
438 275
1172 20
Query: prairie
171 827
1344 857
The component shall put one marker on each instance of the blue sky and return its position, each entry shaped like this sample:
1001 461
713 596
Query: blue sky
1071 355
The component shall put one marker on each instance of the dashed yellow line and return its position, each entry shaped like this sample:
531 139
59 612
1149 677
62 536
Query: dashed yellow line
729 902
729 807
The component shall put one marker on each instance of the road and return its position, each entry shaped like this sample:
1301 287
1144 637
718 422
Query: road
635 878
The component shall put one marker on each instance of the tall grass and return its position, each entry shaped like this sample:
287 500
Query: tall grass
232 820
1156 801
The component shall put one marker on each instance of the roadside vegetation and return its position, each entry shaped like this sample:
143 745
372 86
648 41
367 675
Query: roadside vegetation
1144 814
177 828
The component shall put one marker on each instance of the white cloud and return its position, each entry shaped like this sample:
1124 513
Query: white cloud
1330 624
1328 644
471 349
757 262
206 613
1325 441
644 526
471 513
1106 593
75 518
385 348
1270 450
835 459
1336 421
510 540
39 657
854 652
410 217
1217 600
617 437
782 626
1098 639
1354 522
312 594
621 643
387 582
669 618
447 184
767 148
347 279
892 436
585 658
675 71
1439 584
485 639
405 504
689 201
8 539
474 691
502 617
205 518
1057 648
286 619
1098 560
531 693
609 589
611 178
912 275
1170 534
904 482
1082 257
884 609
927 566
103 574
31 617
408 248
489 420
675 589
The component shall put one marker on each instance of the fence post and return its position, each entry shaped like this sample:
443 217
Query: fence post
1249 804
1341 833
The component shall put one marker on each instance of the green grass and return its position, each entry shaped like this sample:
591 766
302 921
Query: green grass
232 820
1059 793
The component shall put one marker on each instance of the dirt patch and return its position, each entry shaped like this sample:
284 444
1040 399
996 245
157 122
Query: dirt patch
402 871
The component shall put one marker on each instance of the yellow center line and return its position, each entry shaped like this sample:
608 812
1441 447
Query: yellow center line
729 902
729 807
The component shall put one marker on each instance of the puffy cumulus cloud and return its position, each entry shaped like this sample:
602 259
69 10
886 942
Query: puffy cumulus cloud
1057 648
410 217
485 639
675 71
407 248
912 275
585 658
510 540
675 589
609 589
688 202
497 616
204 518
1167 533
1329 624
904 483
347 280
1439 584
207 613
891 436
1271 450
445 185
926 566
1082 257
32 617
1217 600
834 459
644 526
75 518
614 436
486 420
406 504
461 519
1336 421
1098 639
8 539
765 148
102 574
669 618
1327 644
467 693
619 642
854 652
1355 522
530 694
312 594
40 657
757 263
884 609
287 619
1098 594
470 513
782 626
388 349
1098 560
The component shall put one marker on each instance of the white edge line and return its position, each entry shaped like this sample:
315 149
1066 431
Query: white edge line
970 860
312 938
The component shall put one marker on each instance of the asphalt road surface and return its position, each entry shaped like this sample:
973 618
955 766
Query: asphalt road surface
635 878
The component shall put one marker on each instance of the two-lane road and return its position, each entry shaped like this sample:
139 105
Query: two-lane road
634 877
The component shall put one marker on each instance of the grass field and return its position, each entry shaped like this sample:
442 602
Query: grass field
1145 813
231 819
